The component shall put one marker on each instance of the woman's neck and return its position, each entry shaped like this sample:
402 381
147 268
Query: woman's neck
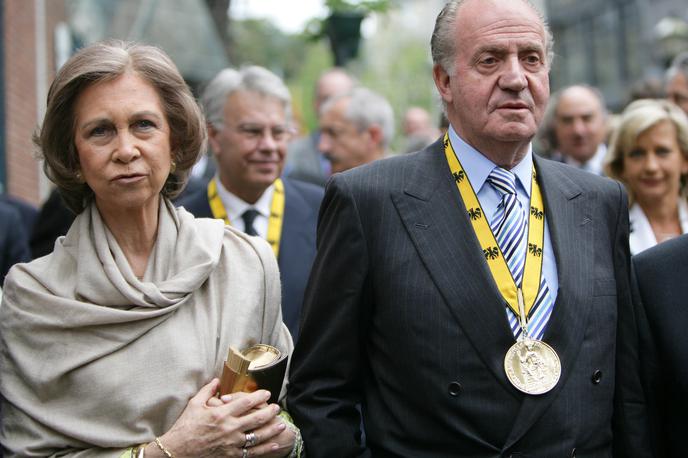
663 217
135 231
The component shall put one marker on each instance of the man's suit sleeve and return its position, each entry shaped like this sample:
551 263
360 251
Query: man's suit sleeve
631 434
327 365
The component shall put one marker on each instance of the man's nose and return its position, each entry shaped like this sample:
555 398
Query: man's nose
324 143
513 77
267 141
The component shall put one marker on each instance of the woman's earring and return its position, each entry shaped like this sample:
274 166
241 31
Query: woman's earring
173 167
79 178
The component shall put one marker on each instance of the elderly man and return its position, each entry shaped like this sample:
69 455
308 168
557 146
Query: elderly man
576 127
471 291
305 161
355 128
677 81
249 115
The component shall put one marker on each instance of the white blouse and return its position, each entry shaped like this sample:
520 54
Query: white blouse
642 237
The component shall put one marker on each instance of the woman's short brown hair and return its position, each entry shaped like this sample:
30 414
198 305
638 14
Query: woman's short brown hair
106 61
637 118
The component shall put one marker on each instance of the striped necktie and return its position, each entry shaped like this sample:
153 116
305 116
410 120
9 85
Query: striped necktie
509 225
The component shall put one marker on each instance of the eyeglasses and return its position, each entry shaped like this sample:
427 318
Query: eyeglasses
255 132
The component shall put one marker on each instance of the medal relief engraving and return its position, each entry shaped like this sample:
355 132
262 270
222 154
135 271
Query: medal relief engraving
532 366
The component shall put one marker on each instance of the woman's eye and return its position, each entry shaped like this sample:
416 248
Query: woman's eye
145 124
99 131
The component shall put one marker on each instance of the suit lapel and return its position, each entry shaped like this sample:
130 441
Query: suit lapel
569 218
435 217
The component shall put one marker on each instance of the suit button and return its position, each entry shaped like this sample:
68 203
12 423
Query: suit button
455 388
596 377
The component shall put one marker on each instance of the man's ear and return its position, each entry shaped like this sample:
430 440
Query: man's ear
442 80
375 132
213 140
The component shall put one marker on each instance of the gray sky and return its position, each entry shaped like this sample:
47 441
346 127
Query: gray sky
290 16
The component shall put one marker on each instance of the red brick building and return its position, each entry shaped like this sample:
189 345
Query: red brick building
28 65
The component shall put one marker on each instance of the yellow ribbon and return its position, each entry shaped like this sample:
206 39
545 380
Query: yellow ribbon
276 212
488 243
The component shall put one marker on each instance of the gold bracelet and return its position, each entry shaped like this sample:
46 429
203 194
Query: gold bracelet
167 453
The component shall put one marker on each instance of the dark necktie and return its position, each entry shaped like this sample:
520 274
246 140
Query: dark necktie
249 216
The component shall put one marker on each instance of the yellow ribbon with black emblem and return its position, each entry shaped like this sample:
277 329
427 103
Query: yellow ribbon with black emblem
493 255
276 212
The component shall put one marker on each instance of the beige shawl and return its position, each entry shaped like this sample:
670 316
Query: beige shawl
93 361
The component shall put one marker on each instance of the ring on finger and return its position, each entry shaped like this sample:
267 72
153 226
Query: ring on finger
250 439
244 452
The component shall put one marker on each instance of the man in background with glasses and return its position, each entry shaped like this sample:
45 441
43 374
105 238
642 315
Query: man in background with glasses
249 126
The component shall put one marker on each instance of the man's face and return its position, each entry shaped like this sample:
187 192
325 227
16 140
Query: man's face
341 141
677 91
498 89
251 145
579 123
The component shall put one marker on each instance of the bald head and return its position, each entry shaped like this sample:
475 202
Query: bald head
332 82
579 122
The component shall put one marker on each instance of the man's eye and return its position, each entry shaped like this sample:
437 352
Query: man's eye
488 61
252 132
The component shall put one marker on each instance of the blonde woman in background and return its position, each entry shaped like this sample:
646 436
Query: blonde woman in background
649 154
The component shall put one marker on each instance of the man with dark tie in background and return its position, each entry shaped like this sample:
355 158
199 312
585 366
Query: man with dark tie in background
249 126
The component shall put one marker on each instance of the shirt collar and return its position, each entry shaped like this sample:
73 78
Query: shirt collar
235 206
478 166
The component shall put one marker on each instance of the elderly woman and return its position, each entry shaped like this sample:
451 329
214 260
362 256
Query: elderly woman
649 154
109 346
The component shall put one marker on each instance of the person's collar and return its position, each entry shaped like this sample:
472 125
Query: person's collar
595 164
235 206
478 166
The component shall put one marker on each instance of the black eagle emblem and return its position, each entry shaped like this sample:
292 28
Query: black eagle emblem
459 176
491 252
535 250
475 213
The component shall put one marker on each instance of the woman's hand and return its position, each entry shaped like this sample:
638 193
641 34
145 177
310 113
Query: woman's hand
274 440
210 427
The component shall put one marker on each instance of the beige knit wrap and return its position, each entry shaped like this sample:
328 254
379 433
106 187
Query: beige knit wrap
93 360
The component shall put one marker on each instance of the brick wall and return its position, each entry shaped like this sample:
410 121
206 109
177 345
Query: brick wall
20 98
22 110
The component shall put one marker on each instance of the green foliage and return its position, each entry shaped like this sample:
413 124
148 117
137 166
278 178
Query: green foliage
360 6
259 42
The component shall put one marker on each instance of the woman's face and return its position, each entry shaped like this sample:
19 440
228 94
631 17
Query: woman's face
654 167
123 141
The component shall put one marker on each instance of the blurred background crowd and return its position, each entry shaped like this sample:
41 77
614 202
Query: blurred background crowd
607 55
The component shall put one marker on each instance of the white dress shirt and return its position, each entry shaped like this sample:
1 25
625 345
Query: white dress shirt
235 207
478 168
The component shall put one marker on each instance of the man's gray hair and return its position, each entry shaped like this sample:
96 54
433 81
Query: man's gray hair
366 108
251 79
678 65
443 45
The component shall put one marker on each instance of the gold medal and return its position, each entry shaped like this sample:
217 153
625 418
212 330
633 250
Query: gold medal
532 366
